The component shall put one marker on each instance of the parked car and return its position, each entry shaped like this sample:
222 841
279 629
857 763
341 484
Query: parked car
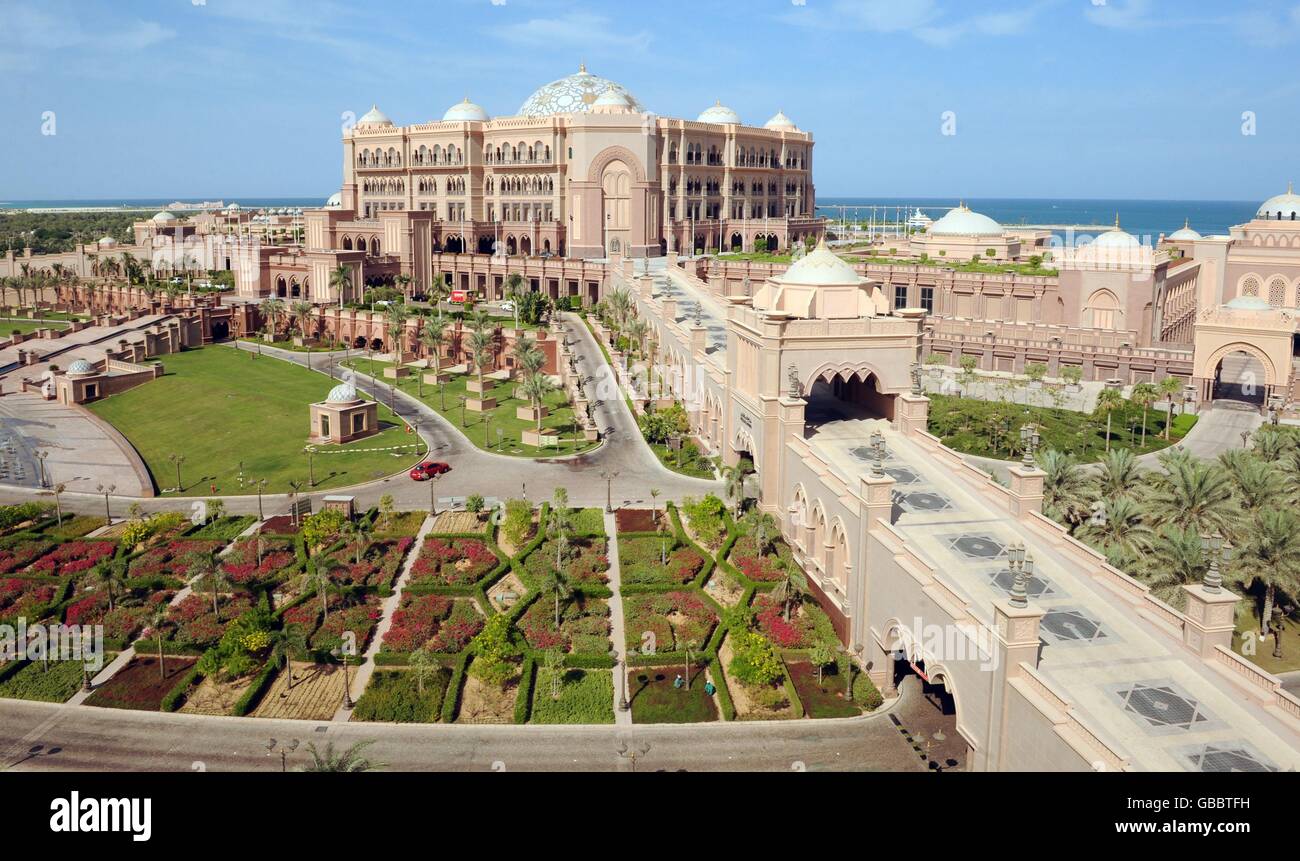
429 469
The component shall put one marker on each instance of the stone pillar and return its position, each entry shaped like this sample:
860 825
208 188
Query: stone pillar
1026 490
912 413
877 494
668 308
699 340
1210 619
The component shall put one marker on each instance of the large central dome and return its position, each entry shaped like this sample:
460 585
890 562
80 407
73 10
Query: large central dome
575 94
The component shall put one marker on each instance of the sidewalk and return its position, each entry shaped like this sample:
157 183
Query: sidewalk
621 718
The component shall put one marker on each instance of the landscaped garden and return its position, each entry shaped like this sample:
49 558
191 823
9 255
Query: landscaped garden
992 428
568 696
656 696
498 430
212 401
55 682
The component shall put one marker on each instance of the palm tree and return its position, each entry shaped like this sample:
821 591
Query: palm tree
528 356
1145 394
433 337
1269 556
1176 558
359 532
395 317
1271 445
556 582
535 389
319 577
1256 482
734 486
273 310
636 330
111 575
1108 400
481 345
302 313
1120 474
1067 491
349 760
208 574
792 588
1193 495
285 643
1119 530
156 622
654 504
1169 387
438 291
57 490
515 293
341 280
559 522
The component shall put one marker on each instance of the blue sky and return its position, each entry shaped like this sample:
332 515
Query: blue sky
1052 98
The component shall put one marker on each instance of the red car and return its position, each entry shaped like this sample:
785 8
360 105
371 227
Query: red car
429 469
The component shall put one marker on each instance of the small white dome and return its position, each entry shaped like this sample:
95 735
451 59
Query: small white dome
1249 303
374 117
234 207
1284 207
781 123
961 221
1184 233
821 267
343 393
107 240
81 366
1116 238
334 201
612 101
720 114
163 217
465 112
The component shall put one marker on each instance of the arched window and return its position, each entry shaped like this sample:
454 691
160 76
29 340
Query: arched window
374 246
1277 291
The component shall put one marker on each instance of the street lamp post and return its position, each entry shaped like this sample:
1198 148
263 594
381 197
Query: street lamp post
311 471
632 754
433 497
40 460
260 484
284 749
343 654
1213 547
1021 565
620 678
108 514
609 490
849 653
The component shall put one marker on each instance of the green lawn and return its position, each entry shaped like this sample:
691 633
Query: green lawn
654 699
991 429
1248 621
498 431
9 325
55 683
585 696
222 409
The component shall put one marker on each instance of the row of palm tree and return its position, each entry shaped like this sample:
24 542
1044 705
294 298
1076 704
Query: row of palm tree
1151 523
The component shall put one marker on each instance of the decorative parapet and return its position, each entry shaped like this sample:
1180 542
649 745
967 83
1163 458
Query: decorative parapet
1060 712
1275 320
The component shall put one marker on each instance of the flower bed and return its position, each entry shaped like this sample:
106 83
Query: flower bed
192 622
379 564
121 624
764 568
55 683
281 524
139 685
242 567
27 599
586 562
584 625
674 619
18 553
360 618
637 520
170 560
640 560
433 622
72 557
452 562
807 624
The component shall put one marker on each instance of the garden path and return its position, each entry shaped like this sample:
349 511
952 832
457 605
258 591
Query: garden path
624 717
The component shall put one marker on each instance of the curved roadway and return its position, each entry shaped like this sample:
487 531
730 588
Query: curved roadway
473 470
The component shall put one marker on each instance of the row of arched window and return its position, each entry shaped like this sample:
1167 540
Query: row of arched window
519 185
452 155
391 185
520 153
745 156
1280 291
371 247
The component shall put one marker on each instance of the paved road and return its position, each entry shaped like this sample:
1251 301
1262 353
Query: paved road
473 470
43 736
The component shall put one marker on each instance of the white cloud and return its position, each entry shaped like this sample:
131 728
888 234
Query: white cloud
925 20
574 28
1269 29
1122 14
34 37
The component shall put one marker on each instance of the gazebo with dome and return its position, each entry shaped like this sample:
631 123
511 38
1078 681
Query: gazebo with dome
343 416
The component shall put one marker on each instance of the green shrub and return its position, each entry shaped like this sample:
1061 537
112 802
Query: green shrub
394 696
586 696
755 661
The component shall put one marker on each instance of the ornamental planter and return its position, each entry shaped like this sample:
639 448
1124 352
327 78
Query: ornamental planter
397 373
539 440
435 379
480 405
528 414
474 385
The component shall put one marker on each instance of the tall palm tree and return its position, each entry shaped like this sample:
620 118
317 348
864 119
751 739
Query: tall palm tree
515 293
1194 495
395 317
287 642
349 760
556 581
1120 474
1067 492
1271 445
559 523
302 313
481 344
206 570
1255 482
1269 556
1108 400
535 388
734 486
110 574
1176 558
273 311
528 356
359 532
438 291
341 280
791 589
433 338
319 576
1144 394
1118 530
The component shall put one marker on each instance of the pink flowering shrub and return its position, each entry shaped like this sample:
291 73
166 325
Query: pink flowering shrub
27 599
759 568
242 567
453 562
18 555
359 618
192 623
379 565
169 560
769 617
415 622
73 557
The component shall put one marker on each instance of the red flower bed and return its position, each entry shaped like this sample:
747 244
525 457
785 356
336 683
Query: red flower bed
21 554
73 557
586 562
29 599
760 568
138 685
281 524
192 623
360 619
122 623
415 622
241 565
769 615
453 562
379 564
170 559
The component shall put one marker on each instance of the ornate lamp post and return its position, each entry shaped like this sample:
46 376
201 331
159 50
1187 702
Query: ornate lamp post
916 379
620 678
1029 438
1021 565
849 653
40 460
107 491
311 472
343 654
1213 547
609 490
877 454
633 753
260 484
284 749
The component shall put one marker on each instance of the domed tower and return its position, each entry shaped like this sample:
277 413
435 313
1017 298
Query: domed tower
343 416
